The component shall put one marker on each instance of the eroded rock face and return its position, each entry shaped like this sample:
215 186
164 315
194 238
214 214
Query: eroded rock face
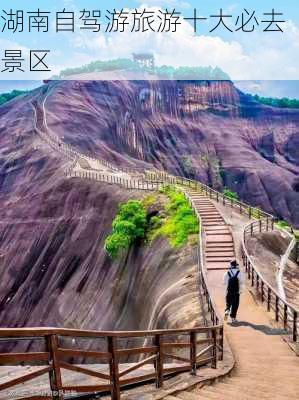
54 270
204 130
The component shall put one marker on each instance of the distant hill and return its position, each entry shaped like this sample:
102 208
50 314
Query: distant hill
275 102
161 72
4 97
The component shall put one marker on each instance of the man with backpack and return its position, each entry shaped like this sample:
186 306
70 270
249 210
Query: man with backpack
233 280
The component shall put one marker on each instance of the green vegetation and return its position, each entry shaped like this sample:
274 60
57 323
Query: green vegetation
275 102
179 222
5 97
256 212
163 72
176 221
128 226
281 224
230 194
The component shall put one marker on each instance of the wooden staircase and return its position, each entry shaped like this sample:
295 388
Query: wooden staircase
265 368
219 245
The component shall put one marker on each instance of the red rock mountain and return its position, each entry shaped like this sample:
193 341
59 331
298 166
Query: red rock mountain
52 264
205 130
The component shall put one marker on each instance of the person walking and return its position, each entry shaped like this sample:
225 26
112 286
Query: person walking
233 281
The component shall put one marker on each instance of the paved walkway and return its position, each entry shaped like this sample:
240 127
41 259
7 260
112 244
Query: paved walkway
266 368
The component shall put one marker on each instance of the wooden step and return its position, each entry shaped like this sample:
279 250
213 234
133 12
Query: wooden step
217 231
211 245
219 239
219 259
211 265
220 223
219 254
215 228
210 219
214 212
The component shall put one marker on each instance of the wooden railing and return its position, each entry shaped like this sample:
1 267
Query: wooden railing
126 182
108 374
283 310
243 208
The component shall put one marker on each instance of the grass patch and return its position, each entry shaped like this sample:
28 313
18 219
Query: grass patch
228 193
144 220
179 220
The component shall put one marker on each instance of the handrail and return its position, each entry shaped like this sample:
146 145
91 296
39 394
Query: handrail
282 308
43 331
55 357
126 182
244 208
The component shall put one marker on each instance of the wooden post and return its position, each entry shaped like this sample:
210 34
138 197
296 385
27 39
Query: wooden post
193 353
114 372
159 362
251 229
249 212
269 299
262 291
252 277
285 316
295 326
277 308
214 349
55 374
221 343
260 223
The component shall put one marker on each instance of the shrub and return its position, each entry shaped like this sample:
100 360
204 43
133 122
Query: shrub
128 226
230 194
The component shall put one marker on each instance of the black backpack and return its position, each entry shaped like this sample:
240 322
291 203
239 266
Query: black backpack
233 283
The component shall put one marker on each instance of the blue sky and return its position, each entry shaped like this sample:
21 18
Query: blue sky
249 56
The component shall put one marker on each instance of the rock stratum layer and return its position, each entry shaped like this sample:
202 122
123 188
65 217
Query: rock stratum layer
205 130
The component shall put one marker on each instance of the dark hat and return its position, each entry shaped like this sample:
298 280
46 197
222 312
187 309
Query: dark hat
234 264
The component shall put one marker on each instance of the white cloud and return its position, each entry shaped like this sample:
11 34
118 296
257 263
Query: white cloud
171 4
246 56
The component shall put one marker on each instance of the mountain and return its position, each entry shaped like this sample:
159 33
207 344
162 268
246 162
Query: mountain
207 130
53 268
